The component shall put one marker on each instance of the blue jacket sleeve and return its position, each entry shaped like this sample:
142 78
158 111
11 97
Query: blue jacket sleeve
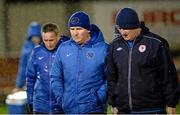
25 53
56 78
30 79
102 92
22 68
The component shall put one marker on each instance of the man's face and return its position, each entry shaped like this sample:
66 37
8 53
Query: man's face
79 34
129 34
50 40
36 40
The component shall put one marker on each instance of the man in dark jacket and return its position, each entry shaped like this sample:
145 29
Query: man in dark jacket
39 90
142 76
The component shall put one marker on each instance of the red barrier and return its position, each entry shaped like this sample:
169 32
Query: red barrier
8 73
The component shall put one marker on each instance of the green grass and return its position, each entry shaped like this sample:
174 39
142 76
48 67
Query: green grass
109 110
3 109
178 108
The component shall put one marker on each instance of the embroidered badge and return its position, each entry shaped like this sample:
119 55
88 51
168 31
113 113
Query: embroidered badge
119 49
142 48
90 55
75 20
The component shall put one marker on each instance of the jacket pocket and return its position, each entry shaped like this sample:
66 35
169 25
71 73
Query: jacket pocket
90 96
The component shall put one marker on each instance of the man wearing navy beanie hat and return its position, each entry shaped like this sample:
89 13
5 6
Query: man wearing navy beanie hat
79 71
142 76
127 19
80 19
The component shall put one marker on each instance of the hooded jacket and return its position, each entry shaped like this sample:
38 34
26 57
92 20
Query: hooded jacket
142 78
39 90
34 29
78 75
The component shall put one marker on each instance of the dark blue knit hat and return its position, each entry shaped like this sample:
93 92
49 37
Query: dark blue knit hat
79 19
127 18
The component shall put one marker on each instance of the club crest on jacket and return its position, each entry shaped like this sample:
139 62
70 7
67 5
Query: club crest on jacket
142 48
90 55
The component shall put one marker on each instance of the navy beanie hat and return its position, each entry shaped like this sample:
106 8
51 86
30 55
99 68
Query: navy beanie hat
127 18
79 19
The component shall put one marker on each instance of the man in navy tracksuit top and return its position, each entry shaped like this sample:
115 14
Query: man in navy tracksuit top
39 90
142 76
78 74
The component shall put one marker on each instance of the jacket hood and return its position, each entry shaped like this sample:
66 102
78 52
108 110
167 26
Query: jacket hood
34 29
96 35
144 28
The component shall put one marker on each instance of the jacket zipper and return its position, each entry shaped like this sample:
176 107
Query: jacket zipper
129 78
77 77
129 74
50 103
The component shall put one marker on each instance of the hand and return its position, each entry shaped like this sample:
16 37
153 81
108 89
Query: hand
171 110
29 108
114 110
16 90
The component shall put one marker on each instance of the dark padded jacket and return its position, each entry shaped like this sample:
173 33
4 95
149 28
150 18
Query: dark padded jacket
142 77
